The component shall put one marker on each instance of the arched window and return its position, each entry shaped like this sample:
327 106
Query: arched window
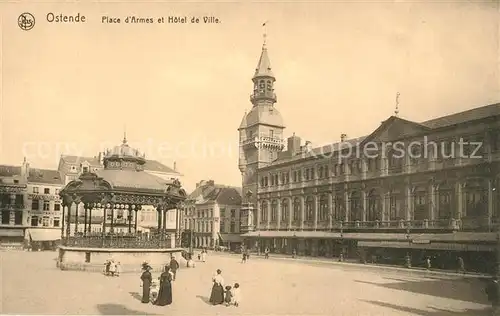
284 210
355 206
263 209
309 208
262 86
446 196
269 85
396 206
374 206
323 208
420 205
274 211
476 198
338 208
296 209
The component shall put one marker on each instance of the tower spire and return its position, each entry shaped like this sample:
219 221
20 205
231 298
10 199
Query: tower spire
264 34
396 111
124 134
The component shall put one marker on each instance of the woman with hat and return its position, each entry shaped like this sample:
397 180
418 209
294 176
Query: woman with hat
217 295
146 278
165 293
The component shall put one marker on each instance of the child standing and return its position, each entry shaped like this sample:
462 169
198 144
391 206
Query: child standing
244 258
236 294
228 297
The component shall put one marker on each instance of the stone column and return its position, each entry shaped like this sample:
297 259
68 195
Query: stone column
363 205
258 209
90 219
432 204
384 197
409 203
104 218
459 199
85 207
278 214
315 211
330 211
290 212
302 212
347 205
384 166
268 221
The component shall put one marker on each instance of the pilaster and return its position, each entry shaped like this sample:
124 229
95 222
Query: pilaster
315 214
347 205
290 213
409 202
258 207
278 214
432 202
330 211
268 210
363 205
302 212
459 200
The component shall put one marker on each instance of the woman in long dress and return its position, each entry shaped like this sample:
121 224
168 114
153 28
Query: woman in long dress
165 293
217 295
146 278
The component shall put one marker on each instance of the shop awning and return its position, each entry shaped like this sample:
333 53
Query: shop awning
230 237
11 232
44 234
430 245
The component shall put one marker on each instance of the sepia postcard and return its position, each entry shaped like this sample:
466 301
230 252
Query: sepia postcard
250 157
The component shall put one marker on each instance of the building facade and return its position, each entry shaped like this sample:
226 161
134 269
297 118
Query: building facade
409 189
211 213
13 188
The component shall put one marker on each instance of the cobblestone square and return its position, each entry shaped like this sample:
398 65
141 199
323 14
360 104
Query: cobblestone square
31 284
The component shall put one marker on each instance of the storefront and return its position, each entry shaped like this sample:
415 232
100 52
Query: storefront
39 239
11 237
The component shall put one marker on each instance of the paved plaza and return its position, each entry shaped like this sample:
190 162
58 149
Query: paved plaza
31 284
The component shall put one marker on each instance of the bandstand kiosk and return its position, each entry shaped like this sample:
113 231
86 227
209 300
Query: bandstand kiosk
116 195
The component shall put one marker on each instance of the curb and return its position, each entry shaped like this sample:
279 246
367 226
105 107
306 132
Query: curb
414 271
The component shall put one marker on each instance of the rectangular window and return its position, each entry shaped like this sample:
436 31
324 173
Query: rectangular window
57 206
56 222
34 221
46 205
5 217
233 213
45 221
222 212
35 205
18 217
35 190
233 227
46 191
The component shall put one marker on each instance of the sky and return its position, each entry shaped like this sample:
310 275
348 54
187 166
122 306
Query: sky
180 90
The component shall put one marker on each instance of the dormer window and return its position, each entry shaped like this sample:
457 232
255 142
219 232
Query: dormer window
85 169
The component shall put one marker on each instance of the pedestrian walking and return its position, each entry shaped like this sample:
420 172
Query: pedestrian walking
492 291
266 253
428 263
174 266
461 265
217 294
236 294
244 258
146 278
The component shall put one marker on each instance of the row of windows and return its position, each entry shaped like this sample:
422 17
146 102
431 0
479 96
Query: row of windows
36 190
475 204
35 205
45 221
223 213
232 227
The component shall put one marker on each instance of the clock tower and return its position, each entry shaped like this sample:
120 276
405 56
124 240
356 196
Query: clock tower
260 131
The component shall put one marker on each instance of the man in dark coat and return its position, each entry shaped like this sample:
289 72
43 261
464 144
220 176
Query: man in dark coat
174 265
492 290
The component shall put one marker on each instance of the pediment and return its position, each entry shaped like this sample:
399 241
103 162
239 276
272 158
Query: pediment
394 129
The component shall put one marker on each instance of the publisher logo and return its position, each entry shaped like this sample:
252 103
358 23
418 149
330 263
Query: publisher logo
26 21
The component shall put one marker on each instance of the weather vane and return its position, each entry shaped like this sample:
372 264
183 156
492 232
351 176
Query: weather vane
264 35
396 112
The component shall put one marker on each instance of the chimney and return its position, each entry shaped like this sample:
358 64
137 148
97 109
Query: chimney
343 137
293 145
175 166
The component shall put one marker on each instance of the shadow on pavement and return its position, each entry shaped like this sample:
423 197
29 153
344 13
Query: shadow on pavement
118 309
462 291
136 295
204 299
435 312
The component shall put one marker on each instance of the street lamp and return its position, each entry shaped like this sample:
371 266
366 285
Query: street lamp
407 257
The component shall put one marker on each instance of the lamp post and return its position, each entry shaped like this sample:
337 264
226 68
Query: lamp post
407 257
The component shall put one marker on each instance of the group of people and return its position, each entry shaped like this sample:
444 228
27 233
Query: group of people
112 268
224 294
158 293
